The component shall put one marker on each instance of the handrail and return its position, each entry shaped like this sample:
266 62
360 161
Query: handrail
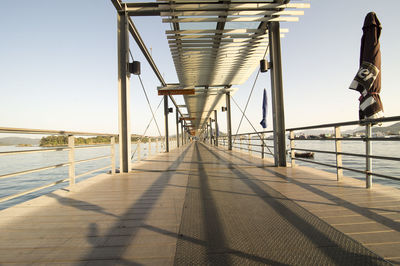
70 147
337 138
51 132
350 123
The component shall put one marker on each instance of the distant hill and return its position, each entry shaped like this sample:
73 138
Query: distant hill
392 129
18 141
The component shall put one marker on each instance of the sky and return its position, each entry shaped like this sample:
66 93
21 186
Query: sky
58 66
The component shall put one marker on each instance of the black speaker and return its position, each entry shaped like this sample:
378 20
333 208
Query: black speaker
134 68
264 66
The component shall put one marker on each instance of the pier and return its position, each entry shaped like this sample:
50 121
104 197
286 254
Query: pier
204 197
204 205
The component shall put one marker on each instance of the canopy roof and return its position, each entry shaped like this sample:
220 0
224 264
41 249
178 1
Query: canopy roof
216 44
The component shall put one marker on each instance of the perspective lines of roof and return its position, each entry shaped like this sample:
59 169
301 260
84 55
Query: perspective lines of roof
216 43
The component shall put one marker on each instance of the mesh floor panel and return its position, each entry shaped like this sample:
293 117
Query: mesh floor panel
231 218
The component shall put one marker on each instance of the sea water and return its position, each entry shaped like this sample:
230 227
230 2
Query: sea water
22 162
379 148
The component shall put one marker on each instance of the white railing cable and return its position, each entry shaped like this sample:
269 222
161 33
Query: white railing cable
248 99
148 125
255 130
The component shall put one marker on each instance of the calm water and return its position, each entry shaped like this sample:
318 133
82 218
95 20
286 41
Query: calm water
16 163
23 162
381 148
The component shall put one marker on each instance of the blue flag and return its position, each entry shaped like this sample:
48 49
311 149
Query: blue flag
264 110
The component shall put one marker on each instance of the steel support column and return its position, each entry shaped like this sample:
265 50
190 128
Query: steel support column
166 123
177 127
228 120
123 93
211 132
216 128
277 94
182 131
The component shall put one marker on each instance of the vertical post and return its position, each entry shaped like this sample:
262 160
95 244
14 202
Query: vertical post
156 145
368 151
277 94
71 160
112 155
228 119
292 151
166 123
211 132
177 127
338 147
182 132
149 153
216 128
138 146
262 146
240 143
123 93
249 144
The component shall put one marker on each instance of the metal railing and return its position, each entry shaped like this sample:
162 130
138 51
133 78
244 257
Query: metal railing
245 142
71 148
152 142
71 163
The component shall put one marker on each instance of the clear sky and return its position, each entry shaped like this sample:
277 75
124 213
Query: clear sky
58 66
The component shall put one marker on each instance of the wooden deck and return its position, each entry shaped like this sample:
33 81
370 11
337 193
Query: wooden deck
137 218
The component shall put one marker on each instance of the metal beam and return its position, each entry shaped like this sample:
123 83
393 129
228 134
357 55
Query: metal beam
166 123
177 127
139 41
123 93
278 110
183 133
228 120
211 132
216 128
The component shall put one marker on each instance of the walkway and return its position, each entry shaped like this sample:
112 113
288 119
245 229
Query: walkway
199 205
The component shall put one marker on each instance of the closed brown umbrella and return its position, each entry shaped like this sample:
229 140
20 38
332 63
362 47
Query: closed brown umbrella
368 78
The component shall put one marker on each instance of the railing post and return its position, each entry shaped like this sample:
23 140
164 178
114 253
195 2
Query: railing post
249 144
262 146
240 143
216 128
149 153
368 151
228 120
138 151
338 146
182 133
156 145
292 156
112 155
166 112
177 126
71 160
